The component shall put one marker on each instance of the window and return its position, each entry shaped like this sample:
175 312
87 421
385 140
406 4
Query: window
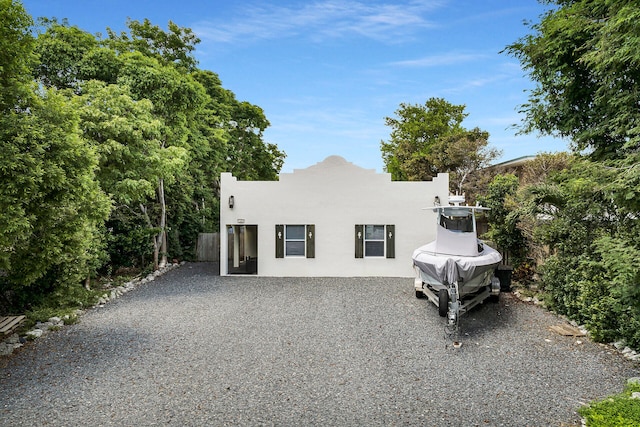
457 219
295 241
375 241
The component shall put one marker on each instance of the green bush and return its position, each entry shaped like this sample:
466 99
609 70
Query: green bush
592 275
620 410
63 301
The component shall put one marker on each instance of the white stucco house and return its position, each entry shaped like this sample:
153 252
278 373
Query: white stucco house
332 219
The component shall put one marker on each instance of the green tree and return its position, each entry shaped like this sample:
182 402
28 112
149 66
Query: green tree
208 157
51 209
249 157
48 177
575 211
583 56
504 218
17 59
16 54
70 56
414 132
176 99
462 155
174 46
126 136
198 128
429 139
61 49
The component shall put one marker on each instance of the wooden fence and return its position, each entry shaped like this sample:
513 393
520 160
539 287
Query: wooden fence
208 247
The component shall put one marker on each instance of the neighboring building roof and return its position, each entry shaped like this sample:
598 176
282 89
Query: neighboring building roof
513 163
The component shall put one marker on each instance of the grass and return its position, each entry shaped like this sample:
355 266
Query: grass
620 410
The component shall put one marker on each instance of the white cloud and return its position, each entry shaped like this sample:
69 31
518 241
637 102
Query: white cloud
439 60
321 20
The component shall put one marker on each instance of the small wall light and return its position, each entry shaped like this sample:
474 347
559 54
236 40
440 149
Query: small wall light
436 201
231 202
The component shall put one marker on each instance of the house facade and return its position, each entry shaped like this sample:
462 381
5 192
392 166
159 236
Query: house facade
332 219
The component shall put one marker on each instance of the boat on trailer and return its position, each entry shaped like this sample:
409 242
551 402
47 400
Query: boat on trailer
456 271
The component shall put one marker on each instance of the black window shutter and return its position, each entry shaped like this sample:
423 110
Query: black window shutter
311 241
390 235
279 241
359 236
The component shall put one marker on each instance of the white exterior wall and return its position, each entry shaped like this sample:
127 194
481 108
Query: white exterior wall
333 195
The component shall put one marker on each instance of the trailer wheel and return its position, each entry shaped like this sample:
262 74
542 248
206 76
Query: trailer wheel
443 302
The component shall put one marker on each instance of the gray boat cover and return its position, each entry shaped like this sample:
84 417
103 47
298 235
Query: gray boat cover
448 268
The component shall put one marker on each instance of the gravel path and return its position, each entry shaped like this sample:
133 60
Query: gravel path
195 349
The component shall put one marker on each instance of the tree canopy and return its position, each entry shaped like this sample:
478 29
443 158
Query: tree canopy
428 139
111 150
584 56
17 55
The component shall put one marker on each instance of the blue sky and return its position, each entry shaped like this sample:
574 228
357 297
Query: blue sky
327 72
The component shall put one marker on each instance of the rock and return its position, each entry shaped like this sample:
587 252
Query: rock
633 380
44 326
635 395
54 320
619 345
35 333
13 339
626 351
5 349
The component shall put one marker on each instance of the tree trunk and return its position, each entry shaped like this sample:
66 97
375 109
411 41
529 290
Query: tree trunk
156 243
162 236
160 239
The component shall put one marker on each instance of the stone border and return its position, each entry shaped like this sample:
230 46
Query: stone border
15 341
619 346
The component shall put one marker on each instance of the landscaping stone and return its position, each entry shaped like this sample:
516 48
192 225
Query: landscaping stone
13 339
55 320
35 333
619 345
5 349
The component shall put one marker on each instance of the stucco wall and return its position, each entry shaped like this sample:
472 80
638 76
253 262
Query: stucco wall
334 195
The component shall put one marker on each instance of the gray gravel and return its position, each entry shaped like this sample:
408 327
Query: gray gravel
192 349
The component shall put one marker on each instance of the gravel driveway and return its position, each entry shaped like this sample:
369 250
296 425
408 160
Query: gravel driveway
195 349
